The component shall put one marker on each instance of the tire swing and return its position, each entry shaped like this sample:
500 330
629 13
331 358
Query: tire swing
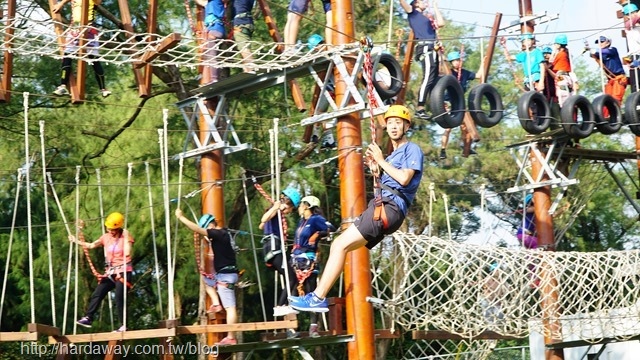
388 76
631 115
612 123
534 112
577 127
475 101
447 89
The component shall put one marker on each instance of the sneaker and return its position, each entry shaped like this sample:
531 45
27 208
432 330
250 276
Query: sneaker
61 90
85 321
309 302
313 331
292 334
472 152
227 341
288 310
277 311
423 115
105 93
121 329
443 154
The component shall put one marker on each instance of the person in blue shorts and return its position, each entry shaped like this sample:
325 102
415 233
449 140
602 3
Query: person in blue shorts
401 174
297 8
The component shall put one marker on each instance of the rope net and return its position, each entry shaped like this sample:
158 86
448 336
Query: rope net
38 37
428 283
450 349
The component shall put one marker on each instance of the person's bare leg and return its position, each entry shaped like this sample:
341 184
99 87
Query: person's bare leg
328 33
349 240
445 139
291 30
232 318
213 295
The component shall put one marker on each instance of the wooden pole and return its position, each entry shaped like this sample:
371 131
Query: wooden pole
352 198
7 69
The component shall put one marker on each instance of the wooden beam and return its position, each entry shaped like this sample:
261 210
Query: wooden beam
7 69
167 43
42 329
110 336
112 354
378 334
256 326
445 335
288 343
18 336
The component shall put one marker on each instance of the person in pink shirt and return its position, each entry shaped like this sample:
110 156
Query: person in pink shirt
117 243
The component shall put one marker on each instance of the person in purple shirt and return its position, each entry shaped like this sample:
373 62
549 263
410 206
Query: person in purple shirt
612 67
401 174
424 26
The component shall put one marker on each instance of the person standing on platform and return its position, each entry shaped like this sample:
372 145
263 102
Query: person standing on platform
611 64
117 243
401 174
296 9
424 26
566 83
632 32
243 28
215 31
533 63
224 265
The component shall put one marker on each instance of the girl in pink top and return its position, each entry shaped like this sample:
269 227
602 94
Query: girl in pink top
117 252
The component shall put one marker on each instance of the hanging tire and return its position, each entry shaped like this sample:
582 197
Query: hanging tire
631 114
578 119
613 122
534 112
386 67
474 104
447 89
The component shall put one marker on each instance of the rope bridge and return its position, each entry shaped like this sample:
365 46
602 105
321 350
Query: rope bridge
38 37
428 283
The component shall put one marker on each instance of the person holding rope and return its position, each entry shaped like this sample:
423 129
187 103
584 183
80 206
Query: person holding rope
272 250
566 82
90 35
402 172
117 243
608 57
424 26
463 76
312 228
224 264
533 63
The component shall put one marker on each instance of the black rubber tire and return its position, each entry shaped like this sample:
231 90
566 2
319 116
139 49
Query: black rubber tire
395 71
447 85
474 104
631 114
569 114
541 120
613 123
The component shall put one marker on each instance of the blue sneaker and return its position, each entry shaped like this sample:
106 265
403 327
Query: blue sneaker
309 302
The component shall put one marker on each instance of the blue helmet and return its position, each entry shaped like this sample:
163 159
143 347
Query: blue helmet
293 195
528 199
454 55
546 50
561 39
629 8
314 40
205 220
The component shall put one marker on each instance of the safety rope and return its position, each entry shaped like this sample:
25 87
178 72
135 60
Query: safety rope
516 78
367 45
303 275
461 62
94 271
269 199
197 242
190 18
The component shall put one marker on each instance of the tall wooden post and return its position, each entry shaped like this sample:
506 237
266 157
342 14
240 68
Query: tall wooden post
352 198
7 68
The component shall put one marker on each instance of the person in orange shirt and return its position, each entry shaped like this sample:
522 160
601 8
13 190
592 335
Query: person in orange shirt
560 63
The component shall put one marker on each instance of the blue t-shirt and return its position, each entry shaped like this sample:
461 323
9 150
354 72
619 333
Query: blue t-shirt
465 77
407 156
214 16
308 228
611 60
530 61
421 25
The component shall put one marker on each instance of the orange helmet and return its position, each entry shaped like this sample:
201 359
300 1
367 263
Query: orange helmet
398 111
115 220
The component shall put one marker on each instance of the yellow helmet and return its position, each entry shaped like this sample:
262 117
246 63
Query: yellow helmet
398 111
115 220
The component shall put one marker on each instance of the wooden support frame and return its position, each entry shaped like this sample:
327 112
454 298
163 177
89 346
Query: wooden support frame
7 67
34 331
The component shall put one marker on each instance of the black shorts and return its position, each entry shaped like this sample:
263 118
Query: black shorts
371 229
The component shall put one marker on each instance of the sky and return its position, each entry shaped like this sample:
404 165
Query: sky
578 19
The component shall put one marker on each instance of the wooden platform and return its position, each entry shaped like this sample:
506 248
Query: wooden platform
445 335
286 343
255 326
589 342
34 331
378 334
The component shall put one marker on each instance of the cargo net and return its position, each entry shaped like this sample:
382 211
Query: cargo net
27 36
428 283
450 349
